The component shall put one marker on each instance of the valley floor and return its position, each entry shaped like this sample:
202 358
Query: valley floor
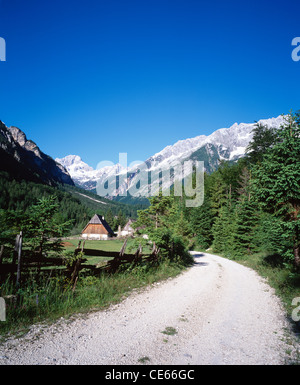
217 312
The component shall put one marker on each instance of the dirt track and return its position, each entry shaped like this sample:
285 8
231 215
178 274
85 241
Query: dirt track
220 313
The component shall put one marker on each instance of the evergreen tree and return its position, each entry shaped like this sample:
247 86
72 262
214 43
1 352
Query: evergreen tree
244 182
109 217
121 219
246 221
201 223
277 183
41 228
218 193
160 212
223 231
166 225
267 235
263 139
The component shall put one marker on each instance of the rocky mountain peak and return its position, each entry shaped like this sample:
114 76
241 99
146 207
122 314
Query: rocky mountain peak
23 159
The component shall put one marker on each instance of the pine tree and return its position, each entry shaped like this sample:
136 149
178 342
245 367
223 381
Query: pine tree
218 193
121 219
41 228
201 224
244 189
263 139
109 217
277 183
246 220
223 231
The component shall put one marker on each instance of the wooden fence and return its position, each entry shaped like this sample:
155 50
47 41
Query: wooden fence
22 263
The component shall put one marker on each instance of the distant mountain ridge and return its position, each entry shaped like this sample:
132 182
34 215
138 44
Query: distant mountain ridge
85 176
23 159
223 144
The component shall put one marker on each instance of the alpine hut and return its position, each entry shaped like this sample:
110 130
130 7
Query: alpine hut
97 228
128 230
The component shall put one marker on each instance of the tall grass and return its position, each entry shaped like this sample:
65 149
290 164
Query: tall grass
52 298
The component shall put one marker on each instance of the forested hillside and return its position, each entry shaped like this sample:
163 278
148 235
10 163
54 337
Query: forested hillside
73 203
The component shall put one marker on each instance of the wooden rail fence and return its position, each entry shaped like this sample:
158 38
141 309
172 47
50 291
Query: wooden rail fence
22 263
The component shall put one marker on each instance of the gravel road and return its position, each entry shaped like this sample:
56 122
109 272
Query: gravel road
218 312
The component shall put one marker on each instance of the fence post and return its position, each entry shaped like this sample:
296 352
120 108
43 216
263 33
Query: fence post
154 254
77 265
115 263
1 254
77 248
122 251
138 255
19 259
15 255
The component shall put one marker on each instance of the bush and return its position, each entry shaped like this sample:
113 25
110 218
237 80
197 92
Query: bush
171 246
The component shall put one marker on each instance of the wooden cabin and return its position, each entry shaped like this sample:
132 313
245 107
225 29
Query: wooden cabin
128 230
97 228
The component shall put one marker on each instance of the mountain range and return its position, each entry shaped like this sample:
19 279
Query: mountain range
227 144
21 160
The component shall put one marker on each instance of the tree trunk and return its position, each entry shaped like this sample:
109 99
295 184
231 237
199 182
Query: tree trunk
297 256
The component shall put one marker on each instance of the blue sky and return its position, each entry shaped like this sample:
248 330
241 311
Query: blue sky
95 78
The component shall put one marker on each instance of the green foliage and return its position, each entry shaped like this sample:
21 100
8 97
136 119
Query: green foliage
17 196
109 218
201 219
267 235
42 229
223 231
217 191
277 184
41 226
166 225
263 139
245 224
121 219
70 257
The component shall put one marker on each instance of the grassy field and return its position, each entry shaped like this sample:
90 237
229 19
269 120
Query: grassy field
108 245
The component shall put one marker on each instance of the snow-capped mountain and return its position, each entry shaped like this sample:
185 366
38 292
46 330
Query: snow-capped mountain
225 143
231 142
85 176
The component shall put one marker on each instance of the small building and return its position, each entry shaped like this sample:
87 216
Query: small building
97 228
128 230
